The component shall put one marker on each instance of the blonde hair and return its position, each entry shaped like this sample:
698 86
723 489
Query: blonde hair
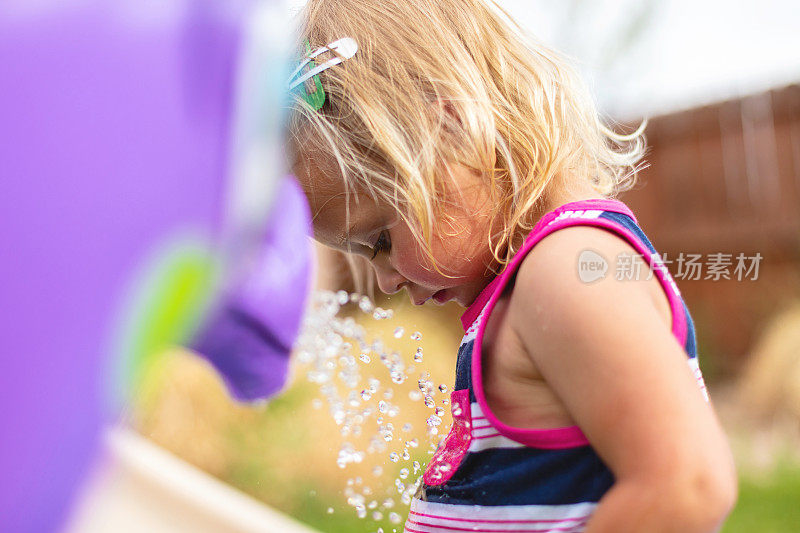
437 82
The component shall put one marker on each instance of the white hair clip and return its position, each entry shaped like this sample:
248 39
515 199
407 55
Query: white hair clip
345 48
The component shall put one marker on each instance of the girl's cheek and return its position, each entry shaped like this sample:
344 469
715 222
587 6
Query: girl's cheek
413 262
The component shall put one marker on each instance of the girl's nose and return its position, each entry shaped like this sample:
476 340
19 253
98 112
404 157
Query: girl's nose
390 280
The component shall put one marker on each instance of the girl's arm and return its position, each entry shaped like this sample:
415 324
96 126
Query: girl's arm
611 358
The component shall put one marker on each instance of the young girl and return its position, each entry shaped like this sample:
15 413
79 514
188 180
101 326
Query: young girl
466 163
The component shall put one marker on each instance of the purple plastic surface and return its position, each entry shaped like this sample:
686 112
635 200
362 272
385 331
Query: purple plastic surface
114 122
249 335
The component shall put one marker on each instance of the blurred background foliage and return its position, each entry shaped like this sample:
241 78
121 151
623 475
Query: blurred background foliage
716 80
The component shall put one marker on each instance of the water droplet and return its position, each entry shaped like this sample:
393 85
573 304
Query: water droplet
365 304
332 346
338 416
382 314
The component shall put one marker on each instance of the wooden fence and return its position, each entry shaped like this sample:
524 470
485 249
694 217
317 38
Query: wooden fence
725 179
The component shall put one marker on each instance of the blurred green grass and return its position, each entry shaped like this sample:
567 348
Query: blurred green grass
769 502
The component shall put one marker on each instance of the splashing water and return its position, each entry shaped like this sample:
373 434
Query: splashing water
337 352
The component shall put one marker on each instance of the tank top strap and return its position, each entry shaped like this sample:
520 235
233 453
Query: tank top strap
611 215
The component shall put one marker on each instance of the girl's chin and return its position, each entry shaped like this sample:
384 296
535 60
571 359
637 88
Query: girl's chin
442 296
447 295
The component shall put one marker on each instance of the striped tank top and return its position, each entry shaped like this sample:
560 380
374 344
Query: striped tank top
487 476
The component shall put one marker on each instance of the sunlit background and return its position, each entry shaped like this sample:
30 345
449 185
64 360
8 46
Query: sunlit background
718 82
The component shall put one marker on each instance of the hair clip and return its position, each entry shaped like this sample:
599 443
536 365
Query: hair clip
308 70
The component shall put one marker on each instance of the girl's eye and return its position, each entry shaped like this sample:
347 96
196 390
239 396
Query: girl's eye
383 244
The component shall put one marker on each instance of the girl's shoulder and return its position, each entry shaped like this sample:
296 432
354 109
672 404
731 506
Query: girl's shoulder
605 348
589 250
574 273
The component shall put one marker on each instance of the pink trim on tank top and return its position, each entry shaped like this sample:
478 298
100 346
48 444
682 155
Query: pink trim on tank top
456 445
570 436
602 204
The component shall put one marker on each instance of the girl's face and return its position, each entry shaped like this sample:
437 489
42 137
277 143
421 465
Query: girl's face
377 232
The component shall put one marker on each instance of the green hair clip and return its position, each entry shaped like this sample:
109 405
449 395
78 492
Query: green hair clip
305 77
